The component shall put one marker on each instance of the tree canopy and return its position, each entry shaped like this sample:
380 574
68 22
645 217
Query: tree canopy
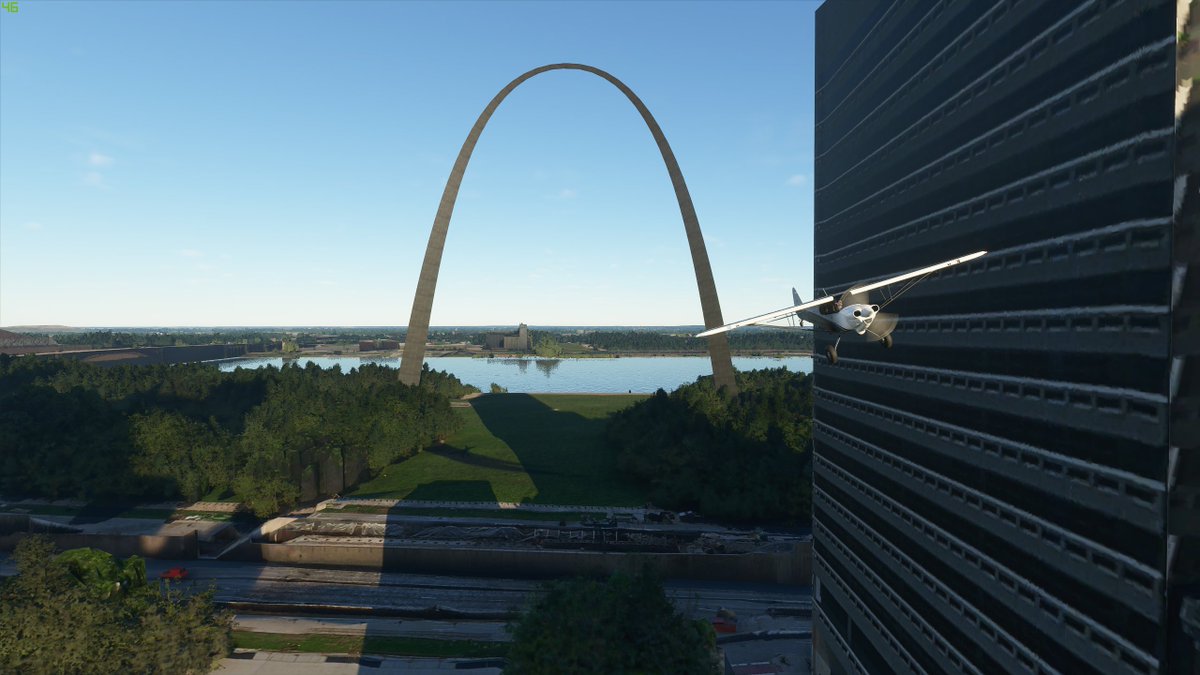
88 613
740 458
270 436
623 625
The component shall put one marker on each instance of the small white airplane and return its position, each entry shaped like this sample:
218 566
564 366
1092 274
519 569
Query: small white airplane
852 313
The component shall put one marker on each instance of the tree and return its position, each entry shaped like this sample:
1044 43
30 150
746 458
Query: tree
71 429
85 612
623 625
744 458
548 347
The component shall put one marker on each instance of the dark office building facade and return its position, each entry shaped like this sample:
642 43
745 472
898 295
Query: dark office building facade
1012 486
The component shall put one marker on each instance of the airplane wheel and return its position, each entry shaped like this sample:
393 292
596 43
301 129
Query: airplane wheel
887 342
832 354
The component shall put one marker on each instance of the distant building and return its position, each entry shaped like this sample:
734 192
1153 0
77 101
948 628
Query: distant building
375 345
509 342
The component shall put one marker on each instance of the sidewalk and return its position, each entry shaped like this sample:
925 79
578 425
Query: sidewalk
483 631
286 663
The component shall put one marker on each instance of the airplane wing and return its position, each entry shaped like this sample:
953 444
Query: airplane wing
769 316
855 290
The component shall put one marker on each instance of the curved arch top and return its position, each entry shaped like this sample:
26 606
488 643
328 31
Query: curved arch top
418 323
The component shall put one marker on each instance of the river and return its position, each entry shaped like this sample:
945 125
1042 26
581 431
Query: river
639 374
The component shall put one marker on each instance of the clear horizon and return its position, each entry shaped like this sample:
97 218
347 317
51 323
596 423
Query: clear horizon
278 165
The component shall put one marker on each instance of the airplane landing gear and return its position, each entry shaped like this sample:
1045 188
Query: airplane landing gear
886 342
831 352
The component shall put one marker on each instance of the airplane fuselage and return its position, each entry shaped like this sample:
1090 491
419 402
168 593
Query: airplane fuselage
856 318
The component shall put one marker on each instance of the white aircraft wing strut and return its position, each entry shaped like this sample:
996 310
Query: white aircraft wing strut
915 273
854 290
769 316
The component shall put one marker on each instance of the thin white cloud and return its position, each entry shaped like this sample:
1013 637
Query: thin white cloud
97 159
797 180
94 178
32 225
191 253
568 193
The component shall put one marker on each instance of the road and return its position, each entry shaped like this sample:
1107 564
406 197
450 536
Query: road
290 599
399 594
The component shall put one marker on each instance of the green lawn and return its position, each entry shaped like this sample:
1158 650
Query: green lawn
369 644
544 449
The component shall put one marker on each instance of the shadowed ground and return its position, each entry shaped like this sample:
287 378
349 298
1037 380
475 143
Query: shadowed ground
543 449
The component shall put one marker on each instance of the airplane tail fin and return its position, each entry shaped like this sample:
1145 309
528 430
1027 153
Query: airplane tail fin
796 297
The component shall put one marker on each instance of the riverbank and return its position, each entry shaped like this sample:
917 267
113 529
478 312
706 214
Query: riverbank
526 373
476 352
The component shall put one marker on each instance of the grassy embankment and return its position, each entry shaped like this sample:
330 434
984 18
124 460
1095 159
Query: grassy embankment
369 644
540 449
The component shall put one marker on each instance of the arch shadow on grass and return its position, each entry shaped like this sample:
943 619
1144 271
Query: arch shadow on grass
533 448
559 441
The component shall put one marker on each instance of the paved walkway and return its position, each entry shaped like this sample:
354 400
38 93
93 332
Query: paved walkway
287 663
483 631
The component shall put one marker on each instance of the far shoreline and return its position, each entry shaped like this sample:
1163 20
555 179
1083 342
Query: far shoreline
432 351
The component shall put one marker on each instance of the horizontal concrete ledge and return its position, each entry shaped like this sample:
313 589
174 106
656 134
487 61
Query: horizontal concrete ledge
332 504
793 567
184 547
765 635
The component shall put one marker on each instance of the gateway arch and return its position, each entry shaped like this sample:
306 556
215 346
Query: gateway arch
418 323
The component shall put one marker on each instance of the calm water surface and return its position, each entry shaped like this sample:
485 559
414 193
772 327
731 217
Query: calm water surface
602 376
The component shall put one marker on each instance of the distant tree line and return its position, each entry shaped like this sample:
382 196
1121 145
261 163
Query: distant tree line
739 458
85 612
107 339
268 436
652 341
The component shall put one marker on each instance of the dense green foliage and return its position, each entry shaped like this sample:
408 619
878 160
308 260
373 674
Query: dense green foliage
270 436
85 612
624 625
548 347
742 458
107 339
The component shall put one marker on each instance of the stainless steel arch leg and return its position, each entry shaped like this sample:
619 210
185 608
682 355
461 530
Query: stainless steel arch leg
418 323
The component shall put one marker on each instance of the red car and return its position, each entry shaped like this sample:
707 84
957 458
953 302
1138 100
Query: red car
175 574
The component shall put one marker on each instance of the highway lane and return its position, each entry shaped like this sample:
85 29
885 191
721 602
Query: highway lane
283 589
432 596
291 599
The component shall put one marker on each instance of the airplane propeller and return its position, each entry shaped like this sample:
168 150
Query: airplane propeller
882 325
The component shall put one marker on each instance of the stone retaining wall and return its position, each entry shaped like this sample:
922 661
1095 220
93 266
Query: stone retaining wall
792 567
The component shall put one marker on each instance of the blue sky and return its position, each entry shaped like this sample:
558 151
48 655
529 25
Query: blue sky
271 163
